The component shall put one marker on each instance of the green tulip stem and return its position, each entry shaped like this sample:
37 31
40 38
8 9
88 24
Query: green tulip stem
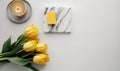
20 51
27 54
2 59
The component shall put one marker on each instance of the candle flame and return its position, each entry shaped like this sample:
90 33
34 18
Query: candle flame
17 7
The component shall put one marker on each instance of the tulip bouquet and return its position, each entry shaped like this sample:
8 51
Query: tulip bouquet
25 50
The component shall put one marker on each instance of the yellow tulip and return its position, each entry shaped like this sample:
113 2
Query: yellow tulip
42 47
41 58
30 46
32 31
34 38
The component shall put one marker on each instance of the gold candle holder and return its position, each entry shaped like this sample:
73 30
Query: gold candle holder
17 8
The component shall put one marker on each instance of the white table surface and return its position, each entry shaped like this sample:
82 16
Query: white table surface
93 45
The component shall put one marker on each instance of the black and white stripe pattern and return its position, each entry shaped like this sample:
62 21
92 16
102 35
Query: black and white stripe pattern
64 18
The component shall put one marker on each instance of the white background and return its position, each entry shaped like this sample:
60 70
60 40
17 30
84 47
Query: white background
93 45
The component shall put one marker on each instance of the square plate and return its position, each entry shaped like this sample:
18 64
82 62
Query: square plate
63 19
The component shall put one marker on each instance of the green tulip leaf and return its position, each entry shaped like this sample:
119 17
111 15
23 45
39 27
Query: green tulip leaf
18 61
3 62
20 39
31 67
13 45
7 45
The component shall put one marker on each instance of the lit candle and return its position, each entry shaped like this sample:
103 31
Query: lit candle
18 8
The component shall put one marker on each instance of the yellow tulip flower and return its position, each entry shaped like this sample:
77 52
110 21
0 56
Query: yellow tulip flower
34 38
41 58
30 46
42 47
32 31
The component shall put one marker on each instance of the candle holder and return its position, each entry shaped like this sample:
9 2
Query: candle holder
19 11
